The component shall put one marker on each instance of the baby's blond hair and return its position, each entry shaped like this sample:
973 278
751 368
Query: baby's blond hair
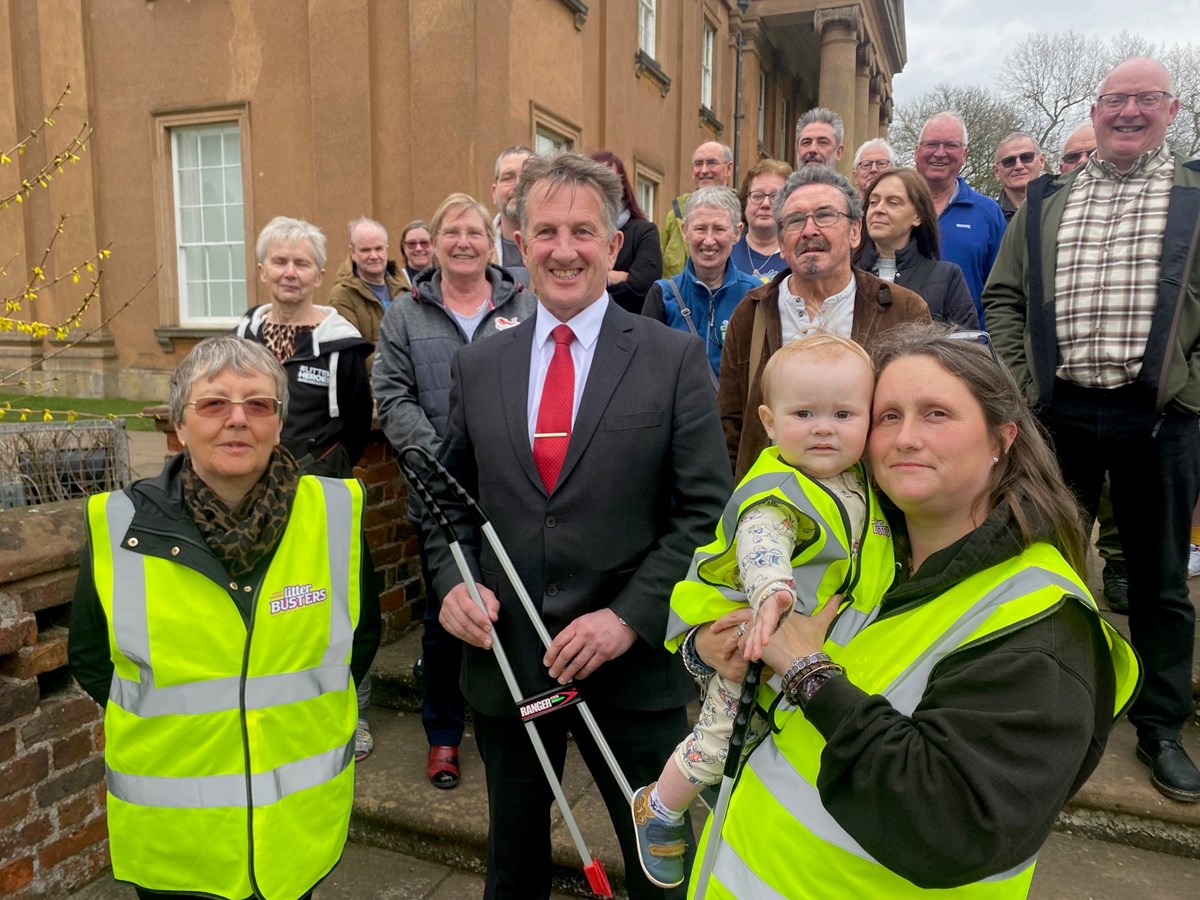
820 346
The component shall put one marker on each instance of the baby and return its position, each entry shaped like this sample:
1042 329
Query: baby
801 514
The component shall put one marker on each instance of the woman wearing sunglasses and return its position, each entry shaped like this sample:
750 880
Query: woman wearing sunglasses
224 612
902 246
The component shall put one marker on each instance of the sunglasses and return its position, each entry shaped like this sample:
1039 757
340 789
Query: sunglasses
1026 158
221 407
1075 155
976 337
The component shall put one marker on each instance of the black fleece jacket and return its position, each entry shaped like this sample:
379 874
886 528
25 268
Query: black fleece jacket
970 785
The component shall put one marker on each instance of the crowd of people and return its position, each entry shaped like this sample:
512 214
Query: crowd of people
855 430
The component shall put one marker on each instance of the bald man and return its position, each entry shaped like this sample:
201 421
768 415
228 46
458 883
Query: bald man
1105 347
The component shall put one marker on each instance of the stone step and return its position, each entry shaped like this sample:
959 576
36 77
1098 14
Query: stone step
1118 804
397 809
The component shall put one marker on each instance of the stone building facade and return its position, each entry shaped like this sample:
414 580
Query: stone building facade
209 118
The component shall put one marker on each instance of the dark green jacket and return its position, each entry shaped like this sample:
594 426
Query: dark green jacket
1019 297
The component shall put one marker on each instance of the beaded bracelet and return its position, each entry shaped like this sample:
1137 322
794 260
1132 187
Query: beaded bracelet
695 666
803 662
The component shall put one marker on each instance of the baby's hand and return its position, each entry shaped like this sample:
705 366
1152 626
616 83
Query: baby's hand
770 613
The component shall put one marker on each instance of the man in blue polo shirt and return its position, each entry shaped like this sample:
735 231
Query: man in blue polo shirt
971 224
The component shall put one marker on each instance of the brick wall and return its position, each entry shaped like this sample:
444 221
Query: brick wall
53 835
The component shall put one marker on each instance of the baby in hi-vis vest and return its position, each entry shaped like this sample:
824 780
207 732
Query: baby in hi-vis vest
789 538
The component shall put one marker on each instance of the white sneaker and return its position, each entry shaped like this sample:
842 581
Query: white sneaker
363 742
1194 561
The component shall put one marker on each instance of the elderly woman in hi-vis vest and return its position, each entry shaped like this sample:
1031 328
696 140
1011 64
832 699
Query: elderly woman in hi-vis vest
225 610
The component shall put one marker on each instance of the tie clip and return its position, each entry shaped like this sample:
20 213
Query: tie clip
550 434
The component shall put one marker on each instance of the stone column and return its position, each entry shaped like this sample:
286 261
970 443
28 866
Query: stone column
838 28
863 129
874 126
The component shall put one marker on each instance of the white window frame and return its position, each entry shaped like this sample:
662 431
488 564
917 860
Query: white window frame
173 313
646 190
762 107
647 13
707 43
214 256
547 141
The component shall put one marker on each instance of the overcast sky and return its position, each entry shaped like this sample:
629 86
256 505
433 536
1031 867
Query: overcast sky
965 41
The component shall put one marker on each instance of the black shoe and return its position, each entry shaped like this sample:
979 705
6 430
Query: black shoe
1116 586
1171 769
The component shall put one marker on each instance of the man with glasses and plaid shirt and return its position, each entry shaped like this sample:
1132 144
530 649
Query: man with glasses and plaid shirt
971 224
1094 303
1019 160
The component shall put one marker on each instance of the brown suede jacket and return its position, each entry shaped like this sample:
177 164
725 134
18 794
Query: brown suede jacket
878 306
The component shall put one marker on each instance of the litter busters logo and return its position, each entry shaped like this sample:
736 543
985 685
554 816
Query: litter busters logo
297 596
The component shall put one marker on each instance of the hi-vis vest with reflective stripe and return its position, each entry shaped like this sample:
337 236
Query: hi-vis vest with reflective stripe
229 751
827 564
779 841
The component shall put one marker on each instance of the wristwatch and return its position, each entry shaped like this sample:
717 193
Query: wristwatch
809 686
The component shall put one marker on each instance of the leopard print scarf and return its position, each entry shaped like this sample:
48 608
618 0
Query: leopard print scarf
241 537
281 340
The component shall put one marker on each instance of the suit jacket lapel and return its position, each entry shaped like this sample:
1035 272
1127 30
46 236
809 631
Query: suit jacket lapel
614 350
514 397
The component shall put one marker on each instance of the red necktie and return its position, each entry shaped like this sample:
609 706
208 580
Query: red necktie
553 431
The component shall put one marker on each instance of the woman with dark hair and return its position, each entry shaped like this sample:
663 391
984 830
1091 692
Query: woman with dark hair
923 742
757 252
901 244
639 261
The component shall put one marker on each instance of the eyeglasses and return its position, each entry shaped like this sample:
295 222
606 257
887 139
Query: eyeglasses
1026 158
416 245
951 146
1146 100
1075 155
977 337
471 234
220 407
868 164
822 218
757 197
707 163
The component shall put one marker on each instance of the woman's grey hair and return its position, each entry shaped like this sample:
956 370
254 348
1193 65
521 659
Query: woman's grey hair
715 198
283 230
227 353
571 170
818 175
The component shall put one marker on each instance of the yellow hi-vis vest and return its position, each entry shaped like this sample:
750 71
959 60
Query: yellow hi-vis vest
832 561
229 750
779 841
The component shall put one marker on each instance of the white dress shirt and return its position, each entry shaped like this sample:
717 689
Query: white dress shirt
586 327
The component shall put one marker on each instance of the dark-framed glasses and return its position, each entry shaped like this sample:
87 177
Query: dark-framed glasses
976 337
757 197
826 217
220 407
1146 100
869 164
1075 155
416 245
1026 158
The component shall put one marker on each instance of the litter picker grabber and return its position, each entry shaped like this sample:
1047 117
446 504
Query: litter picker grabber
529 708
737 747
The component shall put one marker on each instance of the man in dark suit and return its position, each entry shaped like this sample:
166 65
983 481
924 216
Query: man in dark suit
597 452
